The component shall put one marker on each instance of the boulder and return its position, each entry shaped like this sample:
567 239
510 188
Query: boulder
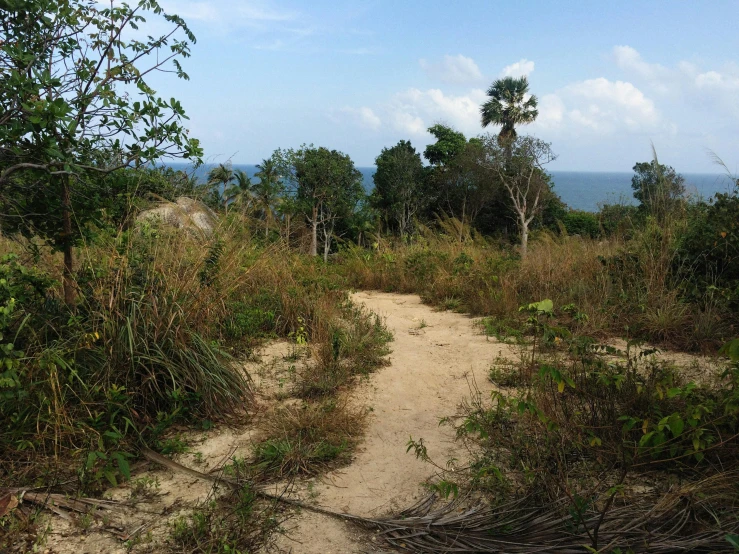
183 213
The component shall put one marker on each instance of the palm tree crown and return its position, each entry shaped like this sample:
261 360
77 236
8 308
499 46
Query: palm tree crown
509 106
242 189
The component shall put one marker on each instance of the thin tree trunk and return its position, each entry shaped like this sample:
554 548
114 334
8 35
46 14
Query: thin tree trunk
524 238
70 295
326 248
314 233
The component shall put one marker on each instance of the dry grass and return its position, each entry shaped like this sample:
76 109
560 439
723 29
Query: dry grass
307 437
619 287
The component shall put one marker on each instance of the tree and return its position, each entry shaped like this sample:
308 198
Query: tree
519 165
398 193
328 188
449 144
467 185
267 190
67 74
321 184
658 188
219 178
510 105
241 190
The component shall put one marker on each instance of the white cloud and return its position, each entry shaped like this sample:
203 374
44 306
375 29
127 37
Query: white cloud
551 111
628 59
409 123
457 69
231 12
687 81
363 117
601 106
518 69
415 110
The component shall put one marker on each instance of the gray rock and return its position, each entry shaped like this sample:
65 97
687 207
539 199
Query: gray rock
185 213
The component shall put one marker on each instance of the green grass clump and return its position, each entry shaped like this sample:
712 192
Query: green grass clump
306 438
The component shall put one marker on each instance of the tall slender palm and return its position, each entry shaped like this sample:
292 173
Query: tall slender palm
241 192
510 104
267 190
218 179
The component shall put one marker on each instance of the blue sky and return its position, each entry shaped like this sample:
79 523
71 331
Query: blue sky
611 77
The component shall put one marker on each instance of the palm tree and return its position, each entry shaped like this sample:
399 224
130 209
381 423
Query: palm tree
509 106
241 191
267 190
218 178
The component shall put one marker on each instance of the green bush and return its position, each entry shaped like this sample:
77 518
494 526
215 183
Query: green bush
578 222
708 252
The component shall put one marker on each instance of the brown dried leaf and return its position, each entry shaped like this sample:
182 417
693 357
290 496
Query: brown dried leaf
8 503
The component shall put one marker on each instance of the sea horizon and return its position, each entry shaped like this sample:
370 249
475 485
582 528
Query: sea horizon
580 190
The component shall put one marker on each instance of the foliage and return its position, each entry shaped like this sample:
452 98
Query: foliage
304 438
658 188
510 105
449 144
708 253
399 180
66 74
584 224
326 187
236 523
584 431
519 165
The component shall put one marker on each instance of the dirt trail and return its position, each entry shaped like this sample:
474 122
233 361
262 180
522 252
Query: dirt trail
434 355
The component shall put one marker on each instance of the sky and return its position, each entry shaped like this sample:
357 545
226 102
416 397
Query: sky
612 78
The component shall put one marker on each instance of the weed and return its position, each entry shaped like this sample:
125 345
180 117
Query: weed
173 445
237 523
144 487
306 438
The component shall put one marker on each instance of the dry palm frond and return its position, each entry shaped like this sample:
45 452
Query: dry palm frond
695 517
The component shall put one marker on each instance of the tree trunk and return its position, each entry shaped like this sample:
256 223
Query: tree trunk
326 248
524 239
70 295
314 233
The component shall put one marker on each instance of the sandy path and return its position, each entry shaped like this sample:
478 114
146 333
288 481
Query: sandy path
434 353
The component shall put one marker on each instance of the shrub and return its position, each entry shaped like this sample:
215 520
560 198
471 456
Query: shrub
584 224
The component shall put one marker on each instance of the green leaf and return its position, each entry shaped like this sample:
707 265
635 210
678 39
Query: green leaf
733 540
123 465
676 424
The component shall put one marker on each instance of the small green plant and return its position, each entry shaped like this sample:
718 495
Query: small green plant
173 445
144 487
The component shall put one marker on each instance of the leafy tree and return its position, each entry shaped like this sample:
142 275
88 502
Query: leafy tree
708 251
519 165
449 144
399 181
658 188
466 185
67 74
325 186
510 105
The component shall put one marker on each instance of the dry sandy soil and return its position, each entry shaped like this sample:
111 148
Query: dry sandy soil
435 357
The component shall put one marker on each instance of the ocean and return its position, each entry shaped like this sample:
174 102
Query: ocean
581 190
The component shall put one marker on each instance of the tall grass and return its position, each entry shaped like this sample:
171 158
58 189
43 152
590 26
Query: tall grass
628 287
